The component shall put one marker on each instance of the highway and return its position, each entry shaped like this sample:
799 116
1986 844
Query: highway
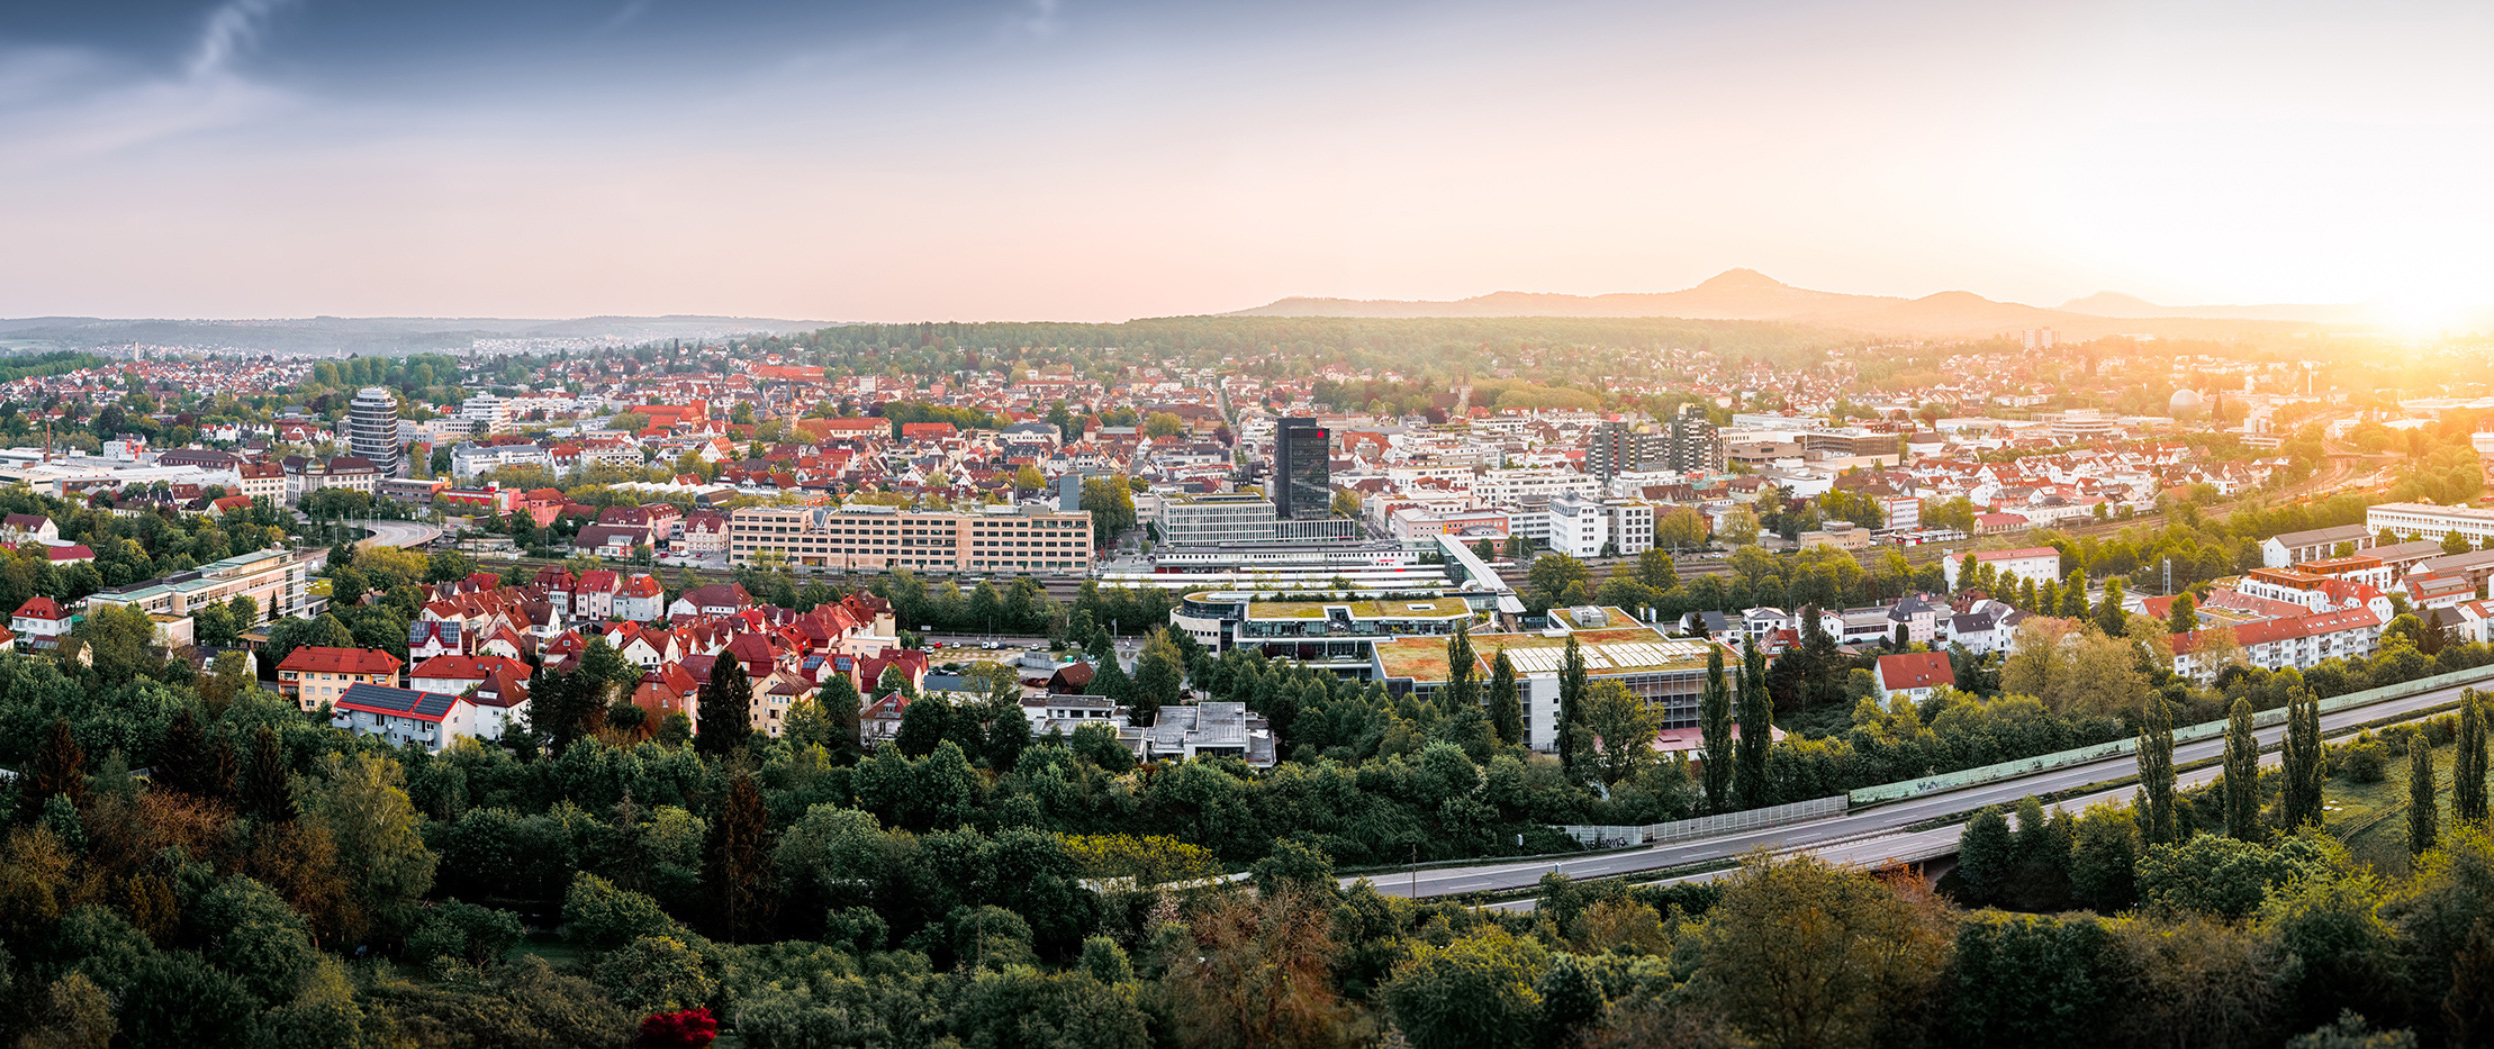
1875 834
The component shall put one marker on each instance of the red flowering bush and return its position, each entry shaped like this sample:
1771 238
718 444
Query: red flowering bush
684 1029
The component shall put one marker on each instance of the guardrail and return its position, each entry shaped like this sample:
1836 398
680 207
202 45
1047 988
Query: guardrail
1982 774
1707 826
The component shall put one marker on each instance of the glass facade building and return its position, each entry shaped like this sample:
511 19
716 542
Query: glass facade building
1303 485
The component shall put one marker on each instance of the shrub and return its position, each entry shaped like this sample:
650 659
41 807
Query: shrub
597 914
2364 760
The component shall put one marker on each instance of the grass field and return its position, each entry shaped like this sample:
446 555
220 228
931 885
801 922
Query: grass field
2372 817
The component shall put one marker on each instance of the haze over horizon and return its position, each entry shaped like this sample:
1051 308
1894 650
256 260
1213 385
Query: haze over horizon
1069 159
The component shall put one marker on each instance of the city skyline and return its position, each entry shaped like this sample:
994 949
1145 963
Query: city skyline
1074 160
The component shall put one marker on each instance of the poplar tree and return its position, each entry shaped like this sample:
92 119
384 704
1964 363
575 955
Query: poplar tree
267 790
726 706
1757 727
2424 825
2109 613
1714 718
1571 701
1506 699
2301 803
739 860
2156 775
2242 775
2468 802
1462 689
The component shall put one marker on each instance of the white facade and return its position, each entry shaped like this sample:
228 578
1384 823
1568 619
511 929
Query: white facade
1512 487
1579 526
2039 563
486 414
1632 526
469 460
2430 521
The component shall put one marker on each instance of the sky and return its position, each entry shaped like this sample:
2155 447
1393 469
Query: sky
1100 160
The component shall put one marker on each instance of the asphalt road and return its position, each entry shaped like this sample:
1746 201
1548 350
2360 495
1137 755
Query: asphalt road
398 533
1871 835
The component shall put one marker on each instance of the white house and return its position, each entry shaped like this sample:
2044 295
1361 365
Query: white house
401 716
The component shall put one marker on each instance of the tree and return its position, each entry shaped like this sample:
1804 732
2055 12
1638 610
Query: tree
2242 784
1986 856
1159 678
1571 700
1462 691
2300 802
1475 991
1250 972
2468 769
1757 721
838 707
267 789
1714 719
1548 581
739 865
2110 617
2156 774
120 636
924 724
1679 528
59 769
2423 808
725 704
1506 700
364 806
2184 616
1800 953
193 763
1626 727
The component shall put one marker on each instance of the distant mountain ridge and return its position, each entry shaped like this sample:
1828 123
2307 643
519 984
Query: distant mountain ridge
1748 295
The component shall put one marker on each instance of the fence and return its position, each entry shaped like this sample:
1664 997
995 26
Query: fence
1916 788
1708 826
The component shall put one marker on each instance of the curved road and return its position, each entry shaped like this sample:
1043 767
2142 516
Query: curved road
1877 834
398 533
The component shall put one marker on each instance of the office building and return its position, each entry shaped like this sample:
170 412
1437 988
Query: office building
1303 488
1244 518
372 430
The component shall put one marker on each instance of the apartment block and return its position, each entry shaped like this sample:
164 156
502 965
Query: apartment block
1019 539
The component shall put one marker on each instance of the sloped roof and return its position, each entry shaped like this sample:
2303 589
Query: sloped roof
403 702
321 660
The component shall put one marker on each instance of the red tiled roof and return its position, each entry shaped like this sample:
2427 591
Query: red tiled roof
1915 670
40 607
2287 629
340 661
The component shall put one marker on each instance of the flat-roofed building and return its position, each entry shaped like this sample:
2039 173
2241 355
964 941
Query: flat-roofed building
274 580
2287 549
1001 539
2431 521
1667 673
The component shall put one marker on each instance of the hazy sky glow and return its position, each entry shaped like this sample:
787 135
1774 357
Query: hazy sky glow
1082 159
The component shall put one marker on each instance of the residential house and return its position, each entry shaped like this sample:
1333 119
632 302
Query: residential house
401 716
642 599
314 675
1913 675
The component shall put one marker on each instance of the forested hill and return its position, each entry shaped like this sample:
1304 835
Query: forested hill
1245 335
